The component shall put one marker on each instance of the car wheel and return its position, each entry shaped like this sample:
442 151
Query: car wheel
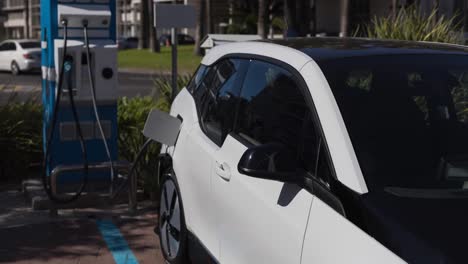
15 70
172 229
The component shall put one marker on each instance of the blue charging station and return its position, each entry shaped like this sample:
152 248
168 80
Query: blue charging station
86 29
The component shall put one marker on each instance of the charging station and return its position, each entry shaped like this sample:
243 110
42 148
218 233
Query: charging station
79 93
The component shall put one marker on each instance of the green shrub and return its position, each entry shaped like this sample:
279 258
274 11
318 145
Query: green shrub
21 132
132 117
131 120
412 24
162 92
20 137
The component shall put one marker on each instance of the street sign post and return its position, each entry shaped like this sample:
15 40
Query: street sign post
173 16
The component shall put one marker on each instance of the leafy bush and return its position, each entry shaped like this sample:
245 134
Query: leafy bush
20 137
131 120
412 24
132 117
21 132
162 92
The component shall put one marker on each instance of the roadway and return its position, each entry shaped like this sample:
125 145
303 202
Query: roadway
28 85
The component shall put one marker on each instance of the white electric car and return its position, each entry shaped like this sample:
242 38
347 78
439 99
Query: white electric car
19 56
320 150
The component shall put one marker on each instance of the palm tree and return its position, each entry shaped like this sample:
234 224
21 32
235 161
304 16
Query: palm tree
209 22
262 18
297 17
153 33
200 28
144 25
344 23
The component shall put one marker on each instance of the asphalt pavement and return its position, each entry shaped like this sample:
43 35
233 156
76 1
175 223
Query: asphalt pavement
28 85
105 235
95 235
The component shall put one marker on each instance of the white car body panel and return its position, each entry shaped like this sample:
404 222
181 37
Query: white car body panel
258 221
192 166
294 58
341 149
331 239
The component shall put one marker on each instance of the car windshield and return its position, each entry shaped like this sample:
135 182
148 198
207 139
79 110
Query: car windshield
407 117
30 45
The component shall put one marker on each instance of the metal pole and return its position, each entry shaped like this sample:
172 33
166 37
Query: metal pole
174 59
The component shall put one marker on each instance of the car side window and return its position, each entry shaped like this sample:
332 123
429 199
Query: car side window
11 46
3 46
217 96
273 109
197 78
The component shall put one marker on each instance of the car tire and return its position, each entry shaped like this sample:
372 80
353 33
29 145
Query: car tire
172 228
15 69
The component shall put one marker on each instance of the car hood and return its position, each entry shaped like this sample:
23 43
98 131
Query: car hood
419 230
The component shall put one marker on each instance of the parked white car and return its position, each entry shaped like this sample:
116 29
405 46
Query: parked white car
19 56
320 150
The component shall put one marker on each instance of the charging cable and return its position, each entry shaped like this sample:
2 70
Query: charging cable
66 66
93 97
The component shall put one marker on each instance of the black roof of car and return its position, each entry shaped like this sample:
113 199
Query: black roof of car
336 48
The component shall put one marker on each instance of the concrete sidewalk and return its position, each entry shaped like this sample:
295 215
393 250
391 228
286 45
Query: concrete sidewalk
73 236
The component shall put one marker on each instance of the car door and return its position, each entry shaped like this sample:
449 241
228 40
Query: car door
264 221
3 55
215 98
10 54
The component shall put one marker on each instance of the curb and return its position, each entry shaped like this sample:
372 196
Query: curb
149 71
143 71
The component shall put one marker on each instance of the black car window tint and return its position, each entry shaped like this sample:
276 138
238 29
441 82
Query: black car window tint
197 78
218 97
272 109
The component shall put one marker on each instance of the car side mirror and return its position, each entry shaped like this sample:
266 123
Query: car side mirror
271 162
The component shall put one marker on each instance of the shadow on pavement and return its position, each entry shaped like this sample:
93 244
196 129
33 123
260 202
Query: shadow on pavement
72 237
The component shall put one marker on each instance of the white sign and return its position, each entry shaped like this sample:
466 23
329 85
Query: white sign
174 16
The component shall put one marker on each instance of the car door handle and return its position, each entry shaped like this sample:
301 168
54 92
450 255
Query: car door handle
223 171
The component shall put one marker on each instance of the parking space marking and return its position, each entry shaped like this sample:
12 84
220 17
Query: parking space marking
116 243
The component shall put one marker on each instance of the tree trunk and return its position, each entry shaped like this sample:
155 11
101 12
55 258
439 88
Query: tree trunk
344 23
271 32
394 8
297 18
289 14
144 27
209 21
303 16
153 34
262 18
200 29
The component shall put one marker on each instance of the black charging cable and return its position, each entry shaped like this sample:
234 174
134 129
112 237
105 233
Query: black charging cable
133 168
65 67
93 97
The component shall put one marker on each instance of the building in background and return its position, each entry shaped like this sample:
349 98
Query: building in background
22 18
128 19
2 19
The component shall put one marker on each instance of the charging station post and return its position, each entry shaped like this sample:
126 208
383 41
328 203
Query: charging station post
79 93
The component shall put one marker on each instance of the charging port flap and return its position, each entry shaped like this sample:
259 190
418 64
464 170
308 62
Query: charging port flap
162 127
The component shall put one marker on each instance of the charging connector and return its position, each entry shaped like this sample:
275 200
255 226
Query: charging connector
94 101
64 68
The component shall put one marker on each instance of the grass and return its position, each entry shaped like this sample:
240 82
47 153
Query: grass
144 59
